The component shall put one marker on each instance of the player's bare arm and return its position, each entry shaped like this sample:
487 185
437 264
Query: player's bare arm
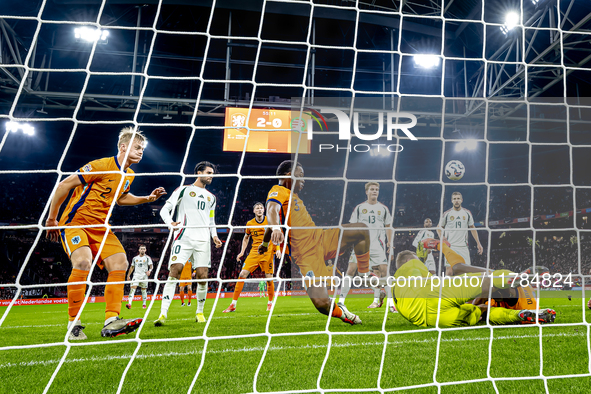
130 272
130 199
475 236
58 199
217 242
245 241
273 235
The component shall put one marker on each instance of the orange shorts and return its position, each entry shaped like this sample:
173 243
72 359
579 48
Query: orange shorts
265 261
186 274
323 246
75 238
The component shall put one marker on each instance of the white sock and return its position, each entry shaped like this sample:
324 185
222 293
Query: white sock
144 296
389 295
168 295
234 302
376 294
201 296
131 294
345 287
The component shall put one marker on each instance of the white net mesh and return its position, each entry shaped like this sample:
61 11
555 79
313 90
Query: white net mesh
505 96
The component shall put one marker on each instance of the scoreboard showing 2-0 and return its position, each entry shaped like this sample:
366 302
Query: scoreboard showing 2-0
269 131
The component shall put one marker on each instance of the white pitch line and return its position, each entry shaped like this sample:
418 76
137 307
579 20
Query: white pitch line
276 348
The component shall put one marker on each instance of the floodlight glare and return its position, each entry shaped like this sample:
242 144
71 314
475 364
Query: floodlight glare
90 34
460 146
471 145
511 21
16 126
426 61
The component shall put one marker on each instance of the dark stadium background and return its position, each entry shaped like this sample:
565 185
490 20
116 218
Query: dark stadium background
55 94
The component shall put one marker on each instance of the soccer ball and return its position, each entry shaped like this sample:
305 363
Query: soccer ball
455 170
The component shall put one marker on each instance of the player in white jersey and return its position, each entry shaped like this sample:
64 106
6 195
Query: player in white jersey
193 225
425 255
455 224
141 267
377 217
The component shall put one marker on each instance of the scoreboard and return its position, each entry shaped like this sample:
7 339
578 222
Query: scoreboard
270 131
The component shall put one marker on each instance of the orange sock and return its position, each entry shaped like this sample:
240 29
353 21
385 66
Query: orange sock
363 262
182 296
271 290
237 290
190 295
114 294
337 312
76 292
452 257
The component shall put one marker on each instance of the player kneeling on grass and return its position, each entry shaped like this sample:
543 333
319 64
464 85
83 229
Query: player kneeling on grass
311 246
254 259
94 193
195 209
417 299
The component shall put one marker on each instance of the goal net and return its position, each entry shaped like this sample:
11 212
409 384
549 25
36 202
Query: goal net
425 100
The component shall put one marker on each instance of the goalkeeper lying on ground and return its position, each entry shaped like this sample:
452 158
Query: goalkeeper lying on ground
418 300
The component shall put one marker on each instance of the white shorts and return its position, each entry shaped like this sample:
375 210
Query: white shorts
377 257
462 251
430 263
140 281
183 250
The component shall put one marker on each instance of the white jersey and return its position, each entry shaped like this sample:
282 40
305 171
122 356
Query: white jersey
421 236
141 266
195 206
377 217
452 220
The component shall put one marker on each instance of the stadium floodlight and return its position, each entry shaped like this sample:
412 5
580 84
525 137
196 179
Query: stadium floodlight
466 145
90 34
511 21
426 61
471 145
16 126
460 146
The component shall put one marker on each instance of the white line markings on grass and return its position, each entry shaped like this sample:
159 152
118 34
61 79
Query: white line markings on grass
275 348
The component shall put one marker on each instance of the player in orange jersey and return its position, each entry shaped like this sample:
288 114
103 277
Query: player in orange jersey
94 193
186 274
310 248
254 259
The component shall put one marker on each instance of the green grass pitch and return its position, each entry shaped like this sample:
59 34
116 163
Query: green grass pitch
292 362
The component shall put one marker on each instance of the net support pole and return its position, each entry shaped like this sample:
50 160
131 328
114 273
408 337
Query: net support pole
135 45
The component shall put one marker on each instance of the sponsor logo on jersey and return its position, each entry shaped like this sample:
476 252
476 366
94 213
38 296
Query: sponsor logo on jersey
364 211
76 240
173 258
371 211
192 194
274 194
200 196
126 185
87 168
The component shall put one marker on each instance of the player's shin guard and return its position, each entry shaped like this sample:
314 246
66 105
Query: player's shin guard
237 291
114 293
271 290
76 292
345 287
503 316
363 263
131 294
201 296
168 295
144 296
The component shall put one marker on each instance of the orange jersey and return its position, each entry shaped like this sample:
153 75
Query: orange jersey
526 300
257 233
300 239
92 200
187 271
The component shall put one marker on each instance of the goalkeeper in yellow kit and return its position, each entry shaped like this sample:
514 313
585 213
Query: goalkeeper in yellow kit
417 292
